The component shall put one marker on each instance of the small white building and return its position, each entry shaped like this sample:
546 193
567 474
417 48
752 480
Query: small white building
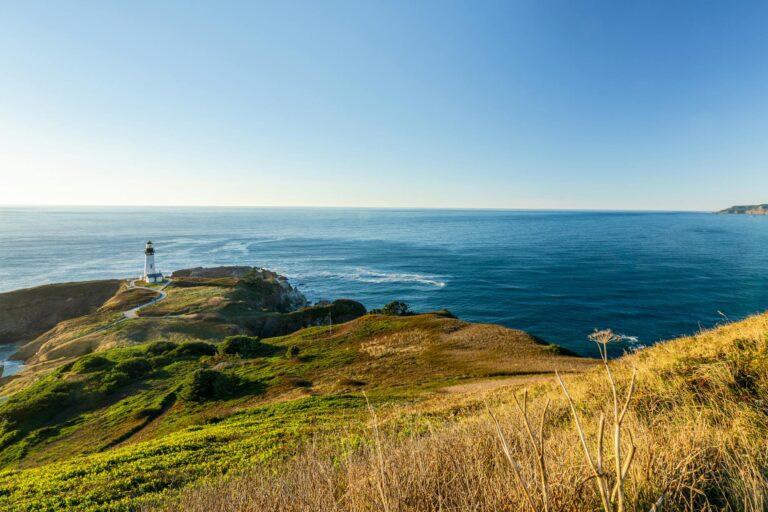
151 274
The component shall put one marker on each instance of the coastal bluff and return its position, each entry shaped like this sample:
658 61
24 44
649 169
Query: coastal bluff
28 313
754 209
209 393
53 324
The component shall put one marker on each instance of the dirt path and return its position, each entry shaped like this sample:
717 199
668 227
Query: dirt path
493 384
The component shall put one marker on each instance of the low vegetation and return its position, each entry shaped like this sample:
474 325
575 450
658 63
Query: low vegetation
142 420
197 308
193 410
206 384
692 437
245 346
394 308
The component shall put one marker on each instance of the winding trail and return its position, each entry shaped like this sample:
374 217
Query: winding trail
133 313
127 315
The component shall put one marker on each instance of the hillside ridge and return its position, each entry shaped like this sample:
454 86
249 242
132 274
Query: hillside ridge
232 300
27 313
221 393
755 209
117 406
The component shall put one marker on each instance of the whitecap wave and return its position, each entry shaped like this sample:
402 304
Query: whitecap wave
364 275
633 342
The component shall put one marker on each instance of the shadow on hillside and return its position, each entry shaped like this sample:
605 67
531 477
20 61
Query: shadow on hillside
249 388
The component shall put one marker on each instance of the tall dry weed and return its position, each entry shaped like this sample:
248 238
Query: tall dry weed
692 423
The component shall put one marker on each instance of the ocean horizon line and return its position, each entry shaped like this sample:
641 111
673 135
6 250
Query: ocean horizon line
365 208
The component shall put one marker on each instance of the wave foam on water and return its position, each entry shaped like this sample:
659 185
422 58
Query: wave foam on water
633 342
384 277
374 276
364 275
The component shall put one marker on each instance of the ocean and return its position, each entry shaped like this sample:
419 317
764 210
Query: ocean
556 274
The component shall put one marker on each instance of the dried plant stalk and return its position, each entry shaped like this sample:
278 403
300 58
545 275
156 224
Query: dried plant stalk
600 477
537 445
511 459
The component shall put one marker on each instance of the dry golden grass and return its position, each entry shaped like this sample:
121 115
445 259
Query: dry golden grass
396 343
698 419
26 314
127 298
185 300
421 351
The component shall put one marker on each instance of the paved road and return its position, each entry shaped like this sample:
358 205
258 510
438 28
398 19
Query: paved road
133 313
127 315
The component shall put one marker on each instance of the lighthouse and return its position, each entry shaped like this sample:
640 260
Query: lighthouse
151 275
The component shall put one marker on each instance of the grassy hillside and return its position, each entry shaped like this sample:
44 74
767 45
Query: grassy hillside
25 314
121 426
196 309
184 408
697 419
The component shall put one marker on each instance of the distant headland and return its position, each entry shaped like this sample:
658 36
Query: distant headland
754 209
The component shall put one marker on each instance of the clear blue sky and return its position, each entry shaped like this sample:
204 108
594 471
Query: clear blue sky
540 104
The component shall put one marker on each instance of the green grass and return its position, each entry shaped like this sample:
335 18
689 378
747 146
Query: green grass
146 284
124 430
186 300
110 419
212 309
694 439
122 478
119 428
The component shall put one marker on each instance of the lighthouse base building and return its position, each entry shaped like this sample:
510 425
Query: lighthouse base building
151 274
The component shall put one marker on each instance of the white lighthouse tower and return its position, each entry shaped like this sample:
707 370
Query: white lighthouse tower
151 275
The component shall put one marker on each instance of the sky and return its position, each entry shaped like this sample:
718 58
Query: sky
635 105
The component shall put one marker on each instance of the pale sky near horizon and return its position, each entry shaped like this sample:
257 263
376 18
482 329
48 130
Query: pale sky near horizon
517 104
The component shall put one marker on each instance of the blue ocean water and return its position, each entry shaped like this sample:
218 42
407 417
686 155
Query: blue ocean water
556 274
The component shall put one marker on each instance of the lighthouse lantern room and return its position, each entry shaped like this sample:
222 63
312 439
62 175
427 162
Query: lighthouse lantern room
151 275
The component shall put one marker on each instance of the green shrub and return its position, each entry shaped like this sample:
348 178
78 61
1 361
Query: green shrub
31 407
206 384
254 280
135 367
195 348
242 345
114 380
292 352
89 364
346 309
397 308
160 347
